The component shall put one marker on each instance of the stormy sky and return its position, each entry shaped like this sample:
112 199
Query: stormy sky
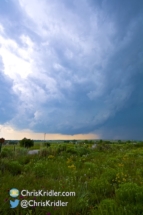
72 67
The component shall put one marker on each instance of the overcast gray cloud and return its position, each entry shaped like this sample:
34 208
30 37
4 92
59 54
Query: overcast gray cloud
75 67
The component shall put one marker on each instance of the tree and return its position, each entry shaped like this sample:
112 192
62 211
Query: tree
26 143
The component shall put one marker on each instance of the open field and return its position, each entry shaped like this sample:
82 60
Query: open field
107 180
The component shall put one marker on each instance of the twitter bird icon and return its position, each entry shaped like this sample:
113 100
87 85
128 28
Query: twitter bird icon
14 203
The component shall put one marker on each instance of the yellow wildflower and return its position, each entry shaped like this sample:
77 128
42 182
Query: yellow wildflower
72 166
50 156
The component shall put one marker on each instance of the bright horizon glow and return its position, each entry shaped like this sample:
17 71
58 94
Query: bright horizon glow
9 133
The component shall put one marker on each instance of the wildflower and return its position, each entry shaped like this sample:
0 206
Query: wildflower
120 164
71 167
50 156
69 160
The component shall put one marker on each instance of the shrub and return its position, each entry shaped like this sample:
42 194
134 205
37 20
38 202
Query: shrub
103 147
139 144
24 160
108 206
7 153
110 175
100 189
83 151
44 152
21 151
26 143
39 169
14 167
130 196
72 151
47 144
61 148
129 193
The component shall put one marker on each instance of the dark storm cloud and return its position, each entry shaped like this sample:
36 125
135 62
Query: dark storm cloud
7 98
84 65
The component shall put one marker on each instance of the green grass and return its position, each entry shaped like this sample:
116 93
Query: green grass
107 180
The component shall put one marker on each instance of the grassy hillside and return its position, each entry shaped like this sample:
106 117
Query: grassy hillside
107 180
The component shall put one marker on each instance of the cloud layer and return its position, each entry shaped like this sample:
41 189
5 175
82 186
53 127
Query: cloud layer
72 68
